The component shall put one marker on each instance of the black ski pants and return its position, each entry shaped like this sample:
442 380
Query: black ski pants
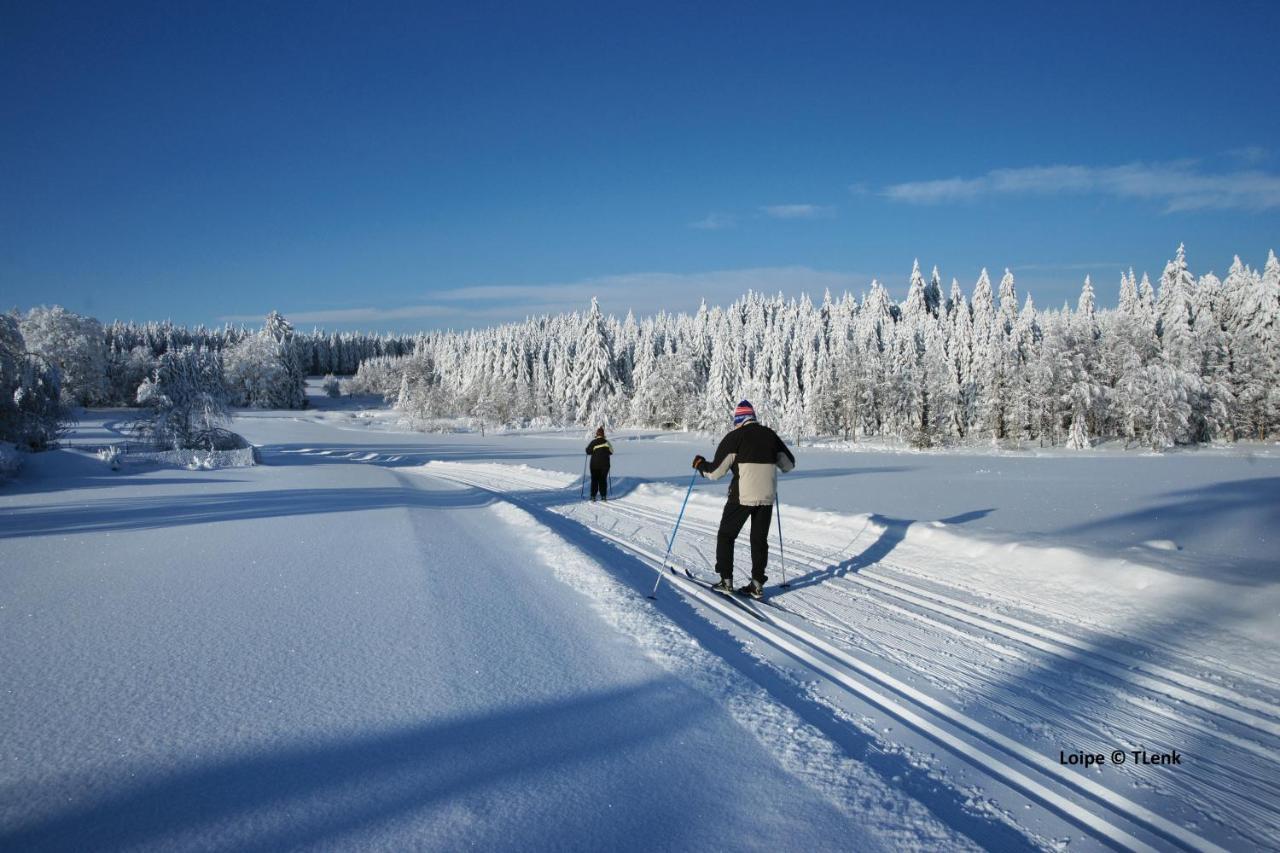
600 482
735 516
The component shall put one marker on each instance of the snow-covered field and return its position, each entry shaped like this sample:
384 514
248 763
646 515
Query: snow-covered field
379 638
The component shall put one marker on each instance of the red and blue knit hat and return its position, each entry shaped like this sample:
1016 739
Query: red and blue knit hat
745 412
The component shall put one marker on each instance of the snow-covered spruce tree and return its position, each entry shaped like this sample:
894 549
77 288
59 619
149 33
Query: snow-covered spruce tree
722 376
1248 317
1269 417
263 371
126 370
987 345
1217 399
381 375
12 349
960 381
668 395
1024 344
186 402
294 393
76 345
332 387
595 382
1180 346
1082 395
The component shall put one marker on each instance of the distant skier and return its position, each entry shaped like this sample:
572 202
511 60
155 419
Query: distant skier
600 450
754 453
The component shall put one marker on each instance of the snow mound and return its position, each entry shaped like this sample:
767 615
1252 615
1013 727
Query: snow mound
543 477
10 460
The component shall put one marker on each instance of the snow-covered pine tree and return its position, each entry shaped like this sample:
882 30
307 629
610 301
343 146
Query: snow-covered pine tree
960 384
595 380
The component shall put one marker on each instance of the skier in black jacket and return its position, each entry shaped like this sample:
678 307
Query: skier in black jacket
754 453
600 450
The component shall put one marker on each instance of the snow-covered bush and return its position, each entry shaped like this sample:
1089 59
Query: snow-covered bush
186 402
32 412
112 455
332 387
264 370
76 345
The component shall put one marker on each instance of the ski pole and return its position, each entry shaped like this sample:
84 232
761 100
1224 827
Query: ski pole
583 491
676 530
782 554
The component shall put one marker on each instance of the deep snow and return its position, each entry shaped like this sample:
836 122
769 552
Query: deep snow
388 639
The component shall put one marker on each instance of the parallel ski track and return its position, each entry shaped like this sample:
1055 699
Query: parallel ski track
986 749
923 604
1246 710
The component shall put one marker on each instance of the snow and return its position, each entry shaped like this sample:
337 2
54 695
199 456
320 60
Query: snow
380 638
10 460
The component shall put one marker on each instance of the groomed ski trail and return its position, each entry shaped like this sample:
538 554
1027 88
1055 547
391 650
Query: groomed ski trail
829 610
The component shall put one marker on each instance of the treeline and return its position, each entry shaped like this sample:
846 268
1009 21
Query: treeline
52 360
319 352
1196 361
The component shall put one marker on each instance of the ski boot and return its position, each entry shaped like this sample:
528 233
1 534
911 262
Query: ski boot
755 589
725 587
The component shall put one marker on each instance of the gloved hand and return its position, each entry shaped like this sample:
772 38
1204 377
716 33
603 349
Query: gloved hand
698 462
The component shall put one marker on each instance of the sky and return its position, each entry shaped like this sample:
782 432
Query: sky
417 166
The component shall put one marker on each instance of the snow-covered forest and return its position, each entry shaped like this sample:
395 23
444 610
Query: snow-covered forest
1193 359
1196 362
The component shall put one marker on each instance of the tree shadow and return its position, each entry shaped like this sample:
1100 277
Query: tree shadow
392 455
1220 509
1073 701
296 796
167 511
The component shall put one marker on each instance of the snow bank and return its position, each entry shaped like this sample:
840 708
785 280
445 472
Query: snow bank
10 460
1115 592
551 479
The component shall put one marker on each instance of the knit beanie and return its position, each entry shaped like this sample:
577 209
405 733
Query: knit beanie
745 412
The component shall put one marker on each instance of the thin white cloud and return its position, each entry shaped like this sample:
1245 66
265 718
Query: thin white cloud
797 211
1250 155
1069 267
351 315
714 222
644 293
1180 185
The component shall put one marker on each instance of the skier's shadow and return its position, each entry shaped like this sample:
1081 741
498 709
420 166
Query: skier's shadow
892 532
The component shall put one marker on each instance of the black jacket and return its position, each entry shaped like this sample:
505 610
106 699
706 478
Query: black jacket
600 450
754 453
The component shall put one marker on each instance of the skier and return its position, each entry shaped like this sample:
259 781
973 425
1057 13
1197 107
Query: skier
754 453
600 450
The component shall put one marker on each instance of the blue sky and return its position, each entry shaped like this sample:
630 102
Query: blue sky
418 166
